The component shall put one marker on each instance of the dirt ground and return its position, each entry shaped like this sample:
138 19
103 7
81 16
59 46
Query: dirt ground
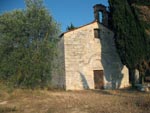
89 101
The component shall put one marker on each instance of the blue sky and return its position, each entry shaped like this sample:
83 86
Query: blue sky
65 12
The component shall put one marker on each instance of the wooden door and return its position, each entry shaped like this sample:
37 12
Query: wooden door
99 79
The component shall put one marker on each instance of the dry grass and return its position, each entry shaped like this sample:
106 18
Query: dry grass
92 101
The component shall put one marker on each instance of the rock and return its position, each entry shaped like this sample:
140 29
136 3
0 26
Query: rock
143 88
146 89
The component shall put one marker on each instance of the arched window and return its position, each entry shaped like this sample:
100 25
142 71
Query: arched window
100 17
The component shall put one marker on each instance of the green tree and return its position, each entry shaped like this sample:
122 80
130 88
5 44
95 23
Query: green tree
27 45
130 36
71 27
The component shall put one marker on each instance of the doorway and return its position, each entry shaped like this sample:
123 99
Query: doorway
99 79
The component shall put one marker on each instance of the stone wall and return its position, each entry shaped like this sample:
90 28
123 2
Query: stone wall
116 74
83 53
58 70
80 53
79 50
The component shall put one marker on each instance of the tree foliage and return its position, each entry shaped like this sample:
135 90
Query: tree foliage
141 2
27 45
71 27
130 34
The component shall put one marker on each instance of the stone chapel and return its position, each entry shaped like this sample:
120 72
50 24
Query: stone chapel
87 57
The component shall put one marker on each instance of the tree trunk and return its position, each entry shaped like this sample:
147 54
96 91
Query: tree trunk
141 78
132 77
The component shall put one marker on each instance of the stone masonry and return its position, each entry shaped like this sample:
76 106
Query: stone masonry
83 53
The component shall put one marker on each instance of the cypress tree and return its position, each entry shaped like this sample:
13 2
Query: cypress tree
130 36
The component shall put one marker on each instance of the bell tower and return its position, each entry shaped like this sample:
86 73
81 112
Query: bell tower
101 8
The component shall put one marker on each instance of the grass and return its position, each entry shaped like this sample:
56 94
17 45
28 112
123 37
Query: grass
4 109
88 101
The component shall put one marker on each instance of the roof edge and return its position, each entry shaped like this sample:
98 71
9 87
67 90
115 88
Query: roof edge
62 34
77 28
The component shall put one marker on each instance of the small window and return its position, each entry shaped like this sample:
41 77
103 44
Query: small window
97 33
100 17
